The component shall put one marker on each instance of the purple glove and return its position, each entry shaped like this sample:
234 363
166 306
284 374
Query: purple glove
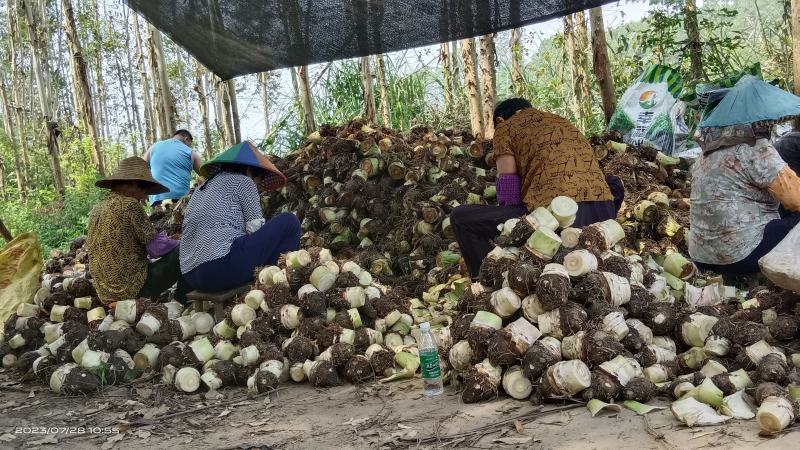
509 191
160 245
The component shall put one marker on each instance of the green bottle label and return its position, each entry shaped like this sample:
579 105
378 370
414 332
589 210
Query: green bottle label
429 363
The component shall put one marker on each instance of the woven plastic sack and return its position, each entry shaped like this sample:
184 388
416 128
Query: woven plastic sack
20 271
649 112
782 264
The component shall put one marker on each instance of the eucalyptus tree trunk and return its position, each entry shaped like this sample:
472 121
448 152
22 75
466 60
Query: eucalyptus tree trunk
582 66
456 66
38 40
571 48
263 84
237 133
3 178
472 86
219 116
202 102
165 103
11 132
517 81
488 83
103 121
224 101
80 83
447 76
600 64
366 86
9 113
129 124
134 105
380 73
693 43
149 115
305 98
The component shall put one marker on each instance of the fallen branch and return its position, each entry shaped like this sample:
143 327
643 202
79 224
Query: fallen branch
201 408
524 418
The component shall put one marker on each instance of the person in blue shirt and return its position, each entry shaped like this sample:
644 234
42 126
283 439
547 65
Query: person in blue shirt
171 163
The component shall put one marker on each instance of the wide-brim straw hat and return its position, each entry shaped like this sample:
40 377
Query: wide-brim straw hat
133 169
247 154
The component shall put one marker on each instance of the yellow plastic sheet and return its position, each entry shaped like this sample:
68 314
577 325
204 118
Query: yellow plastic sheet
20 271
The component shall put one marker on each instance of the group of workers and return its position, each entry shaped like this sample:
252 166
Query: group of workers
225 236
744 201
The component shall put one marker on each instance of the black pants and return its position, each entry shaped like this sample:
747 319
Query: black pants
162 274
475 226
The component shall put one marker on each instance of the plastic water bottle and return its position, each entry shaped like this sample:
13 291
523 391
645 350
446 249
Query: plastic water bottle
429 362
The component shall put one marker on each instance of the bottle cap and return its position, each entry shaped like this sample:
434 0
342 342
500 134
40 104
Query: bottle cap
425 327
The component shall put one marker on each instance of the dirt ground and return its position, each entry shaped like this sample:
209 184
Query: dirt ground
389 416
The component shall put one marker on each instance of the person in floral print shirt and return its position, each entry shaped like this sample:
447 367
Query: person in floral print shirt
738 186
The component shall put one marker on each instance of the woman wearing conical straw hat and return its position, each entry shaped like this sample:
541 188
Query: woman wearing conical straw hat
121 237
740 181
225 235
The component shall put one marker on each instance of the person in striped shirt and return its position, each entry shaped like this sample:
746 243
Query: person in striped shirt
225 235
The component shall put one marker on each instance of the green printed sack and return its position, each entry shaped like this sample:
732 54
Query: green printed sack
650 114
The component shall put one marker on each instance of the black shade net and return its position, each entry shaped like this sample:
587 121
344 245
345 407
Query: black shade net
236 37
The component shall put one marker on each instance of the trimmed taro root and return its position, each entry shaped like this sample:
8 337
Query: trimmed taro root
73 314
358 370
522 278
604 386
564 321
171 354
661 318
310 327
499 349
724 328
271 352
323 374
472 303
80 287
633 342
241 374
639 389
382 361
262 326
341 352
265 381
748 333
347 279
553 290
460 327
313 304
641 299
277 295
541 355
364 338
334 298
226 371
106 341
328 335
616 265
772 368
785 328
251 337
79 381
519 234
481 383
593 288
300 349
602 347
